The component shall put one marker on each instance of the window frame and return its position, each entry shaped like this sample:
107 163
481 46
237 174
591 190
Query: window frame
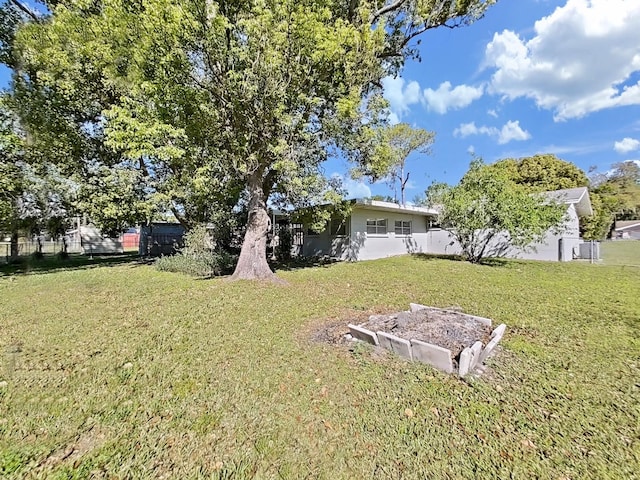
404 224
377 226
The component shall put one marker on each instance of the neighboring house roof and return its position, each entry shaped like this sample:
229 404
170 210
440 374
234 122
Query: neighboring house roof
368 204
627 225
579 197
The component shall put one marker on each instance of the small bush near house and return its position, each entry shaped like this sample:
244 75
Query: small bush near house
285 242
197 258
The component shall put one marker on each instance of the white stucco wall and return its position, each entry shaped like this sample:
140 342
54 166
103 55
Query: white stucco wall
93 242
325 244
358 245
368 247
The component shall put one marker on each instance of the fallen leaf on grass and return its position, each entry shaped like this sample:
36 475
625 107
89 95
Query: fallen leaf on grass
528 443
408 412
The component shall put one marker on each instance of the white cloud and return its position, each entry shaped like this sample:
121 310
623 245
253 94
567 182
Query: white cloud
400 96
492 112
512 131
627 145
447 98
356 189
509 131
577 62
466 129
393 118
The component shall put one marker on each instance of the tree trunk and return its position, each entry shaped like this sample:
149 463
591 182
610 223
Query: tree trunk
14 246
403 184
252 264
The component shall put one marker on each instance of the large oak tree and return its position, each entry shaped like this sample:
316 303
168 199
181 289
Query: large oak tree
218 97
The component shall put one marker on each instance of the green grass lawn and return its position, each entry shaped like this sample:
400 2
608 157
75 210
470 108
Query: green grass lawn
121 371
621 252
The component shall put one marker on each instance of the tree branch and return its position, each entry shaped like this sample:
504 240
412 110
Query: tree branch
386 9
26 10
398 52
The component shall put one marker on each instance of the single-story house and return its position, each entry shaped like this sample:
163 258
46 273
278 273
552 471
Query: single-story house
374 229
561 244
626 230
378 229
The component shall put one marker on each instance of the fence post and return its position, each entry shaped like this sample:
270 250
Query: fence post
560 250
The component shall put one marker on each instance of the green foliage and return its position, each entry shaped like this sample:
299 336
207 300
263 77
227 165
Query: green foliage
285 243
625 182
210 99
542 173
487 213
34 195
614 196
198 258
397 143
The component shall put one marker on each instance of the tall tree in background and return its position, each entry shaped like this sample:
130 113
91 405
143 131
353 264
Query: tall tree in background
399 142
542 173
625 180
546 172
34 196
62 139
615 196
222 97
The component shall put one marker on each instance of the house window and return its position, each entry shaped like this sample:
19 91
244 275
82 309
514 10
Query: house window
403 227
377 226
338 227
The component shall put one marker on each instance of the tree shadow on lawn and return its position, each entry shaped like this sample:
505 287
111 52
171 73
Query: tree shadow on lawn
298 263
53 263
488 262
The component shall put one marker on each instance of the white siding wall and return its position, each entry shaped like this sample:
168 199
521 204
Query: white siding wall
367 246
94 243
325 244
357 245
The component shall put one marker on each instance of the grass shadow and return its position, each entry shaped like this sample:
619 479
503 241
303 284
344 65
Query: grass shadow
53 263
298 263
489 262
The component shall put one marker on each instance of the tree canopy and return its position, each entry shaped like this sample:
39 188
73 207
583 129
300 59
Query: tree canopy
397 143
542 173
615 196
487 212
210 100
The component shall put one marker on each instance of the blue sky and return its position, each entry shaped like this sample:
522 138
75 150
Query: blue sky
532 76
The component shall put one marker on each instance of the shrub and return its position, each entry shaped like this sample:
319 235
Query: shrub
197 258
285 242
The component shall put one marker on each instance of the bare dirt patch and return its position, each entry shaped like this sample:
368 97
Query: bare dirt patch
448 329
71 454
